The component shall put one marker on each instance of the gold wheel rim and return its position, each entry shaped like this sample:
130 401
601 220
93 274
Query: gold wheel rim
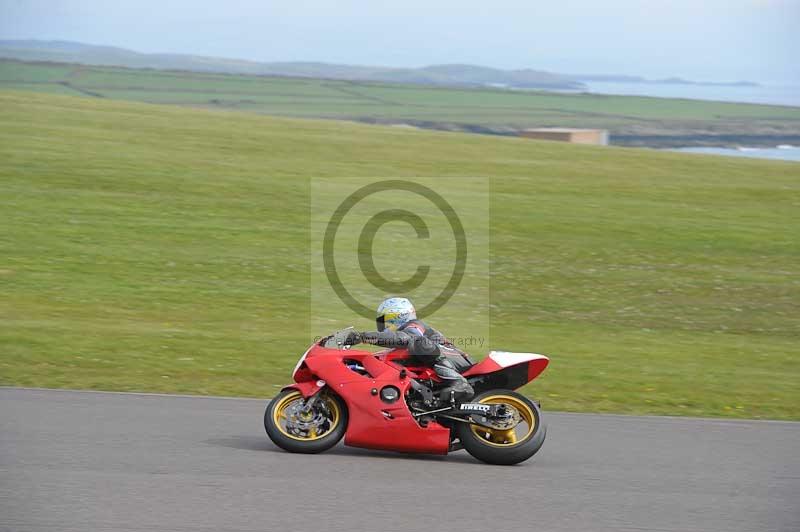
506 438
280 417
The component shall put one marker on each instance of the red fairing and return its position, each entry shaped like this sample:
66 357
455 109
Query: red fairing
372 422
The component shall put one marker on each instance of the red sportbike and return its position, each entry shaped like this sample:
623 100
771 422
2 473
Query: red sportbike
384 400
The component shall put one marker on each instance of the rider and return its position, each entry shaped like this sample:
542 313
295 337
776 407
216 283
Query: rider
398 326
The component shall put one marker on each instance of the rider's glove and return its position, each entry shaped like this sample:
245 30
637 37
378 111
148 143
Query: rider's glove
353 338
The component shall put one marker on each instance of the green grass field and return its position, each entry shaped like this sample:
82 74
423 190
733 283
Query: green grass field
314 98
158 248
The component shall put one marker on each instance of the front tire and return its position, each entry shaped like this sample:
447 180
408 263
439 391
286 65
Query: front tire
505 447
310 433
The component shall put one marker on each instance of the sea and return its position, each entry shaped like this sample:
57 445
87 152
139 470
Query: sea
771 94
783 152
767 93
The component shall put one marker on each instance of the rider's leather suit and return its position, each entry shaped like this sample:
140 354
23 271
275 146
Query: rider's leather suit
430 348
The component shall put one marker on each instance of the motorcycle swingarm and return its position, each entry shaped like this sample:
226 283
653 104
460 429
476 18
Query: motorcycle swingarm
473 413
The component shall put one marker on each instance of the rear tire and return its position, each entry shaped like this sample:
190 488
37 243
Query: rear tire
505 453
308 445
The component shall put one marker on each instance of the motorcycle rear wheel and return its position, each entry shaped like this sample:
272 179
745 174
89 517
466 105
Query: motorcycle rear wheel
505 447
332 413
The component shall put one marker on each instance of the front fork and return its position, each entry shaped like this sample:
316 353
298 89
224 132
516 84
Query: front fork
308 404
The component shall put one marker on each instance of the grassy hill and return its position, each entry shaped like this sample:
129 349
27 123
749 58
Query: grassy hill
631 119
159 248
472 75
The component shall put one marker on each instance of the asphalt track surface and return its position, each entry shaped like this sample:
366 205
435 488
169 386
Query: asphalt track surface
84 461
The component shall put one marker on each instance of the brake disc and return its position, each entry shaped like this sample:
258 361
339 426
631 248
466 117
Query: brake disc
301 423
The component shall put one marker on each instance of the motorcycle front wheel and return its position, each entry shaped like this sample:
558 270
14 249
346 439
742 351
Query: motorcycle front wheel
505 447
297 429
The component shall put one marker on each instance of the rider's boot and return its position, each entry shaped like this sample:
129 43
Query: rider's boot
457 386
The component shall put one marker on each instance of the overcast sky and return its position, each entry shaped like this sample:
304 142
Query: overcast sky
717 40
